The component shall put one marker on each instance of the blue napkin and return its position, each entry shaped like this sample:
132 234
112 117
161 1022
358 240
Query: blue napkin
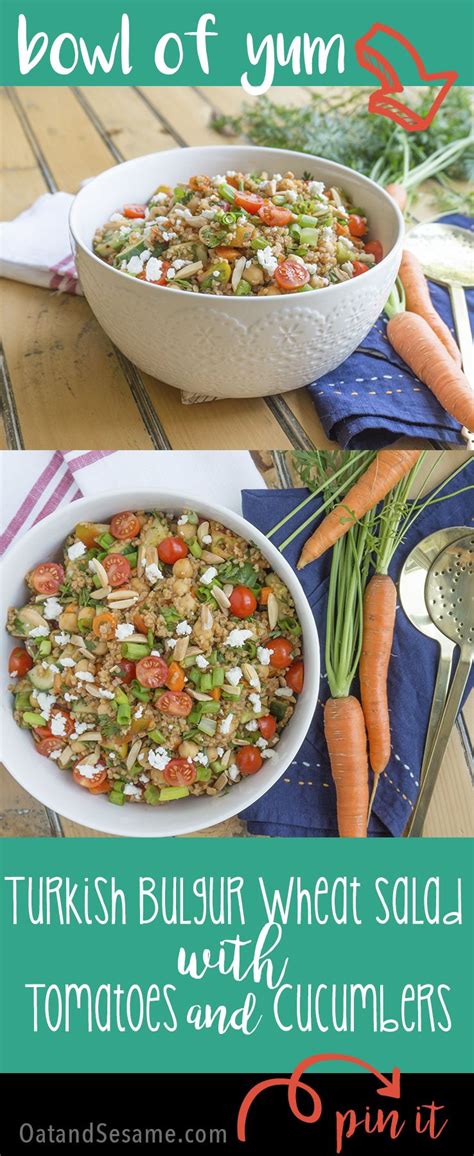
303 801
373 398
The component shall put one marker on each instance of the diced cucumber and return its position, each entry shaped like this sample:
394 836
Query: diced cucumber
117 798
211 707
205 683
169 793
204 774
217 676
196 549
135 650
152 795
278 710
41 677
85 618
34 720
44 647
207 725
22 700
157 736
232 691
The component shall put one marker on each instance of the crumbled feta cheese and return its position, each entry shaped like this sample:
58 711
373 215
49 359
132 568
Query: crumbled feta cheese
267 260
70 697
55 754
155 654
62 638
201 662
183 628
76 551
159 198
139 711
117 217
170 644
264 655
256 702
206 539
209 213
87 771
39 632
238 637
145 255
262 743
184 517
311 268
284 692
154 269
153 574
80 729
252 725
134 266
226 724
84 675
169 236
234 675
54 669
51 608
159 758
124 630
171 274
316 188
208 575
201 758
13 674
144 778
268 754
132 791
234 773
105 693
67 661
220 751
45 703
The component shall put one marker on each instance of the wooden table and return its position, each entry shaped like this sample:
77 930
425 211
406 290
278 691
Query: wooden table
450 814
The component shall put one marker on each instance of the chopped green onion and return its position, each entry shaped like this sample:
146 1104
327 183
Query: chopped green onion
208 726
135 650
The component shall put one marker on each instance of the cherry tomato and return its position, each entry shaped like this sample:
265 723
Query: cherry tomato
101 788
104 625
134 212
175 679
274 215
281 653
243 602
267 726
87 533
69 725
291 274
374 247
179 705
294 676
125 526
357 225
249 760
179 773
251 202
46 746
170 550
127 671
19 662
152 671
97 779
117 568
358 267
47 577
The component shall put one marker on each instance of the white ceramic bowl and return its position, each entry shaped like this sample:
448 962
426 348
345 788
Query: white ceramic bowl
222 346
57 790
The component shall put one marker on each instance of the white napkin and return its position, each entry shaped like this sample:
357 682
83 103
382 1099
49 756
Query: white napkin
36 246
36 483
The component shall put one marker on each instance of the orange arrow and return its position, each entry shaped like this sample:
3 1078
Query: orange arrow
390 1087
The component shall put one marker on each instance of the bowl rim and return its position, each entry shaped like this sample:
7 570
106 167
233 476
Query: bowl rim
228 809
243 302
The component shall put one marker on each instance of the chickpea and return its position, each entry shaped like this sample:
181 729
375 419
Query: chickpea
68 621
253 275
188 750
187 531
183 568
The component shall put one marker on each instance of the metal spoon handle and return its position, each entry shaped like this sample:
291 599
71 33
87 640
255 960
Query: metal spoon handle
440 694
463 329
434 763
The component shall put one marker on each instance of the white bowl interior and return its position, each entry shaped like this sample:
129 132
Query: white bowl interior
57 790
135 181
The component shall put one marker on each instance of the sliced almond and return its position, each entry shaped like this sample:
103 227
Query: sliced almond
122 592
199 696
273 611
97 568
141 561
225 760
99 595
207 618
221 598
31 617
212 559
221 782
90 760
136 638
190 270
133 754
228 589
151 556
250 674
92 690
193 650
65 756
237 273
181 649
90 737
203 531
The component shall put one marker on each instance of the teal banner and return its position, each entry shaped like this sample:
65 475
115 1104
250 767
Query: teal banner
225 955
47 42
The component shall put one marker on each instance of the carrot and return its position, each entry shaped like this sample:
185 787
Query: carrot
418 300
398 194
380 601
344 728
384 472
414 340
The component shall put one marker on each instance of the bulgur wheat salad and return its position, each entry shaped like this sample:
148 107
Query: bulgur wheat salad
241 235
160 659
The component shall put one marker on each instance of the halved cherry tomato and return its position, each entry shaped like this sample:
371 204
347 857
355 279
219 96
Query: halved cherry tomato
249 760
376 249
294 676
134 212
227 253
175 680
96 779
170 550
117 568
103 625
87 532
358 267
342 230
243 602
179 705
152 671
281 652
101 788
251 202
47 577
127 671
19 661
125 526
357 225
267 726
46 746
179 773
274 215
264 595
291 274
69 725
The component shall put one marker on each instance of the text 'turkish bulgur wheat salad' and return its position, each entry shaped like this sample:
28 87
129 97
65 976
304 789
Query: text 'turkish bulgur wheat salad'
239 235
161 659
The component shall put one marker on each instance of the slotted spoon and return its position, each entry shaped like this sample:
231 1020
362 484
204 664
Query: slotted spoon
449 595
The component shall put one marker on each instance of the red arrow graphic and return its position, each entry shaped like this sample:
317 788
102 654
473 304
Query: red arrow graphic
389 1087
384 100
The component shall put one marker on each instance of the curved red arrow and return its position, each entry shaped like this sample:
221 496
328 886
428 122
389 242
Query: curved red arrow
390 1087
383 101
